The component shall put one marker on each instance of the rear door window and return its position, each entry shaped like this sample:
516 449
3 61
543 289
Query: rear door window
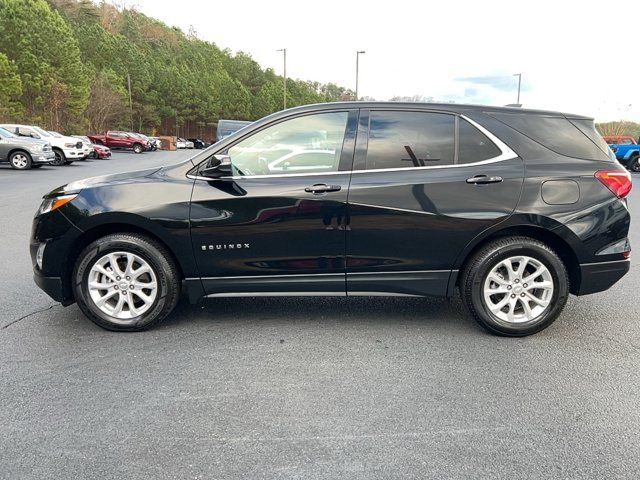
473 145
400 139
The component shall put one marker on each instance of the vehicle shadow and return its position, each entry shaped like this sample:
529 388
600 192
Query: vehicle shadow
296 310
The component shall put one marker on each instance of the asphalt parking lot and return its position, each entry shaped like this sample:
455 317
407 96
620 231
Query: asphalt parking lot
322 388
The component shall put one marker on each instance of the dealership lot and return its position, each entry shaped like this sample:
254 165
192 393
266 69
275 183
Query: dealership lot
307 388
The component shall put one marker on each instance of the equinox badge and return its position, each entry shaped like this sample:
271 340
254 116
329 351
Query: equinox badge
226 246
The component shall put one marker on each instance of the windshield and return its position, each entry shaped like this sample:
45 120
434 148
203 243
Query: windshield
43 133
6 133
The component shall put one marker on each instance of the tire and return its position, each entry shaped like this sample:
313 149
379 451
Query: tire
137 148
20 160
634 164
61 159
163 273
476 286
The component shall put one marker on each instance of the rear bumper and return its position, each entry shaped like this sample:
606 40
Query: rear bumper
597 277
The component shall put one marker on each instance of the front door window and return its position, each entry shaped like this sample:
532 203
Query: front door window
307 144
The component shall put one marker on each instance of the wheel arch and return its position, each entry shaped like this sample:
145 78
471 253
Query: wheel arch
100 230
18 150
554 238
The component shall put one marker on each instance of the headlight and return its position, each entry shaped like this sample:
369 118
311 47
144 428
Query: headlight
51 204
70 145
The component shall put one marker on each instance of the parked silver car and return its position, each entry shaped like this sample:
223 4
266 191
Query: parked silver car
24 153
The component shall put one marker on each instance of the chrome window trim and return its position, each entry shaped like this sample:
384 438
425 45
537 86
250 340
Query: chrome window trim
507 154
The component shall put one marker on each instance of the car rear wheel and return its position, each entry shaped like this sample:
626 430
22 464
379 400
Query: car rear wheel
20 160
137 148
515 286
126 282
60 159
634 164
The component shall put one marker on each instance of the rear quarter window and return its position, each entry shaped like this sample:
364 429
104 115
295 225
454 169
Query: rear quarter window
556 133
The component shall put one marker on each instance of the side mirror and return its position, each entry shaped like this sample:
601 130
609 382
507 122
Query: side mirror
219 166
34 135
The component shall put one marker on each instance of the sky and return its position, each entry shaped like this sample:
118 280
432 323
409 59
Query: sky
574 56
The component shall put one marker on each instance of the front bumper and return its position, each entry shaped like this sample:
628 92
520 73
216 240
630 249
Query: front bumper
74 154
43 158
52 272
52 286
598 277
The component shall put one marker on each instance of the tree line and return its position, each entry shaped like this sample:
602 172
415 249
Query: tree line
67 65
620 127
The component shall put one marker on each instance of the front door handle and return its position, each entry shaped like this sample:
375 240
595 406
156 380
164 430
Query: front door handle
319 188
483 180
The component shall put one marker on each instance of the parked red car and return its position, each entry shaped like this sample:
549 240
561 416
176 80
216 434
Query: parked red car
100 151
124 140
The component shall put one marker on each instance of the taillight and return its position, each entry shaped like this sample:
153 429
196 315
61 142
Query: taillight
618 181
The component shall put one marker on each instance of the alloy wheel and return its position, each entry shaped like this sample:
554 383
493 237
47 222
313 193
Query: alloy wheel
20 161
122 285
518 289
59 159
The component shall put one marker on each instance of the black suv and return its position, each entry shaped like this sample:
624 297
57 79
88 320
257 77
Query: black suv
517 208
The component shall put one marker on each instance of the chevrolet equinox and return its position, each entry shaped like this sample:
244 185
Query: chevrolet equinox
517 208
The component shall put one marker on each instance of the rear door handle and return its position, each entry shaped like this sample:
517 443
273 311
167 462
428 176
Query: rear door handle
483 180
322 188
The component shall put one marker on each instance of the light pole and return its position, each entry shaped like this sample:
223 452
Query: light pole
130 101
284 56
519 75
357 67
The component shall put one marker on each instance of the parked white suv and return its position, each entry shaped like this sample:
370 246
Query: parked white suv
87 148
66 149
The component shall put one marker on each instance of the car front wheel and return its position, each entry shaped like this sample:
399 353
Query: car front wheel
634 164
20 160
126 282
515 286
137 148
60 159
